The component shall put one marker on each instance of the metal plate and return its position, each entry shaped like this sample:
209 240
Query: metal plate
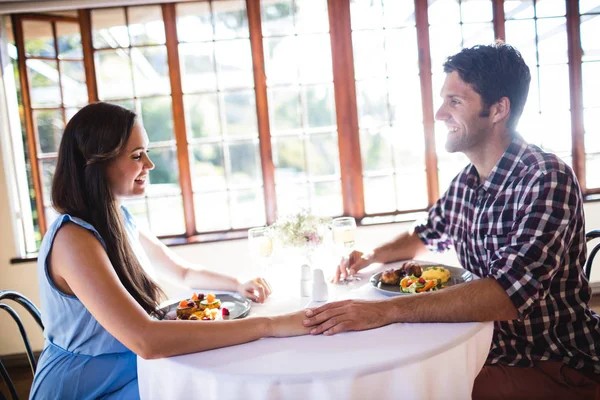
457 276
238 306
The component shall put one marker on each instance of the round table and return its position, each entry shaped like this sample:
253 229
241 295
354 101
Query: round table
404 360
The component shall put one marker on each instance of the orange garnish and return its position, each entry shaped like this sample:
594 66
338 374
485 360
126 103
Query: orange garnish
183 303
194 297
210 298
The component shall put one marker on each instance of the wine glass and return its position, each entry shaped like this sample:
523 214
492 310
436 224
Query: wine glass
344 236
260 246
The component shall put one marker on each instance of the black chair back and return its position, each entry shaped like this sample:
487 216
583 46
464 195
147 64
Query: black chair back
35 313
591 235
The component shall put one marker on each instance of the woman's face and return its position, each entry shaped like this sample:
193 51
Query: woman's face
128 173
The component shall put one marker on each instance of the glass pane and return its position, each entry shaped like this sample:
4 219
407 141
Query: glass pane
549 8
166 215
244 164
48 167
449 165
369 54
157 118
212 212
376 151
554 88
43 83
521 34
247 208
69 112
208 174
552 41
398 13
518 9
113 85
372 103
234 63
445 40
277 17
146 25
320 106
592 165
586 6
150 71
292 198
51 215
590 72
408 153
164 178
69 40
285 114
109 28
49 125
590 29
280 60
240 113
366 14
38 38
405 103
194 22
202 115
443 12
74 88
138 207
411 187
322 155
591 121
314 64
401 53
379 194
129 104
311 16
556 126
289 159
197 62
326 198
230 18
476 10
474 34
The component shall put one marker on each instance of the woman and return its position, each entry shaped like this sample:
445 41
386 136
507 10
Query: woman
97 286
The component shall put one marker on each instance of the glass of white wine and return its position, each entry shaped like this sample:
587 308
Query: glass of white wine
261 247
344 238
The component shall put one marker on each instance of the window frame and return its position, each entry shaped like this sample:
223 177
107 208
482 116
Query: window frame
351 170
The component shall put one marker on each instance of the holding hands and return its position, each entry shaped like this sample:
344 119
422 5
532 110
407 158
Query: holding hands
347 315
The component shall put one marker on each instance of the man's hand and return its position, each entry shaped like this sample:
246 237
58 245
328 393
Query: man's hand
257 289
350 266
347 315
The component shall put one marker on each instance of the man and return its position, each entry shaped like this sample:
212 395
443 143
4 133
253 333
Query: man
515 218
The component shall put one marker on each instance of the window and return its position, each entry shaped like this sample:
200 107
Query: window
256 108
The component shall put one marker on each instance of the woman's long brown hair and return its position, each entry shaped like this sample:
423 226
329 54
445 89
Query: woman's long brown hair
92 139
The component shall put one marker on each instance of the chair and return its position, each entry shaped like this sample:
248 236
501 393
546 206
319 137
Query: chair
35 313
591 235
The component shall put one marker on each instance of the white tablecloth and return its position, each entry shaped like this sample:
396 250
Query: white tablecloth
408 361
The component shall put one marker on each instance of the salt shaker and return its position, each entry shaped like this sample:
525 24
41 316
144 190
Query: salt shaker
305 281
319 287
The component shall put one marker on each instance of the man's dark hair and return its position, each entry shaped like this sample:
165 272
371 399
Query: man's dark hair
494 71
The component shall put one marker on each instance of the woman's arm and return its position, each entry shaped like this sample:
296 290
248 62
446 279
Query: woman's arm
175 269
79 263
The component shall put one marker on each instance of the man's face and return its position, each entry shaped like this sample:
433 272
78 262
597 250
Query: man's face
463 113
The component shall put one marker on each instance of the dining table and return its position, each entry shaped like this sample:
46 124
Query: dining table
401 360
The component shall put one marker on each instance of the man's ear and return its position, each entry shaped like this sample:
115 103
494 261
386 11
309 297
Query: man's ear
500 110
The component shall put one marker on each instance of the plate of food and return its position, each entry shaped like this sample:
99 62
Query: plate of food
414 277
208 307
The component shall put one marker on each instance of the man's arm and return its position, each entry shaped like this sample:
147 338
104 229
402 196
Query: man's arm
454 304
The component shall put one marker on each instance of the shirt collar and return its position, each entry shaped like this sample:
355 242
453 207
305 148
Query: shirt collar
502 171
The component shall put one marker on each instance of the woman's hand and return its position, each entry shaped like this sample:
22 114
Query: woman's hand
257 289
288 325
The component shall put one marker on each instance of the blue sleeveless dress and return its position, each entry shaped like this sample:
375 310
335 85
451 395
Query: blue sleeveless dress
81 360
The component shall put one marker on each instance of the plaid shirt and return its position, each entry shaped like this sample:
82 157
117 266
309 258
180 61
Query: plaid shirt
524 227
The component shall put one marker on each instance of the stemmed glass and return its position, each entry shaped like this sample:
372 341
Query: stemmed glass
260 246
344 234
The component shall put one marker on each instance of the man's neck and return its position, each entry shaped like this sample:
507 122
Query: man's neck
487 155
